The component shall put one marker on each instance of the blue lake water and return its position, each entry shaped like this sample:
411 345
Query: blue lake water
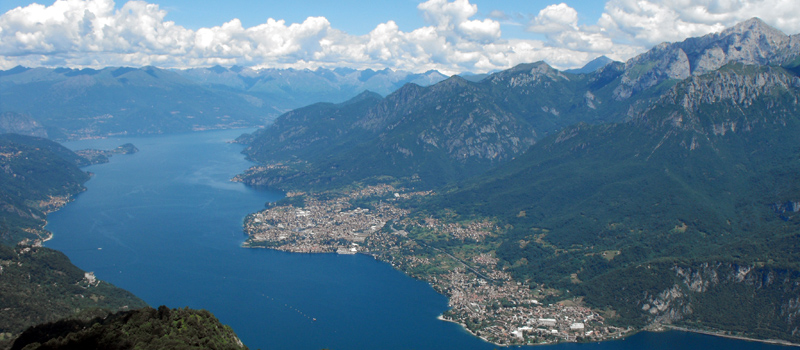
165 224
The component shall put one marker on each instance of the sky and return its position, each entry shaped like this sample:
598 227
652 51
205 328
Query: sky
455 36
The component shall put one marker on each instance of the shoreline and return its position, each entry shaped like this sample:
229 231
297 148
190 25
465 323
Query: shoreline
655 329
441 316
730 336
464 327
49 236
43 228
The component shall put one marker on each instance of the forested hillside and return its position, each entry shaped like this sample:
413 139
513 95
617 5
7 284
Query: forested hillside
146 328
38 176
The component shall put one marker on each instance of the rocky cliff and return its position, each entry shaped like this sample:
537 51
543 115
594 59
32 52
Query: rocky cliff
758 299
752 42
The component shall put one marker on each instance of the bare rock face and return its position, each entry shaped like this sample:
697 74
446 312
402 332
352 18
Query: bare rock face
662 63
21 124
752 42
681 300
738 89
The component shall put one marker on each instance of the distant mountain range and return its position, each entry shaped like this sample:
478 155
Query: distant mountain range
591 67
287 89
71 104
665 188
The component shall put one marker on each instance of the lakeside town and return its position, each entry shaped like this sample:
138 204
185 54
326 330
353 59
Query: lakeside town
482 297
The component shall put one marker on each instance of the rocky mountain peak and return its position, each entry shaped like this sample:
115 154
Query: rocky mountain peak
450 84
527 74
752 42
753 25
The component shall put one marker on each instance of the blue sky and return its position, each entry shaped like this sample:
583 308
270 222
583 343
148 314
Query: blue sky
449 35
356 17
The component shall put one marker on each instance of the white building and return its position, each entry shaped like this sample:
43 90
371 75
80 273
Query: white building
577 326
547 321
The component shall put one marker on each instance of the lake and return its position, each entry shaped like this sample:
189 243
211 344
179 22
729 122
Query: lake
166 224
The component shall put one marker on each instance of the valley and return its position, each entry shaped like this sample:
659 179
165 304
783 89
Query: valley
547 206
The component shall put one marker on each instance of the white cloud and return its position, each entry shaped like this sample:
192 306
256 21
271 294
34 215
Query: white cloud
628 27
92 33
559 23
650 22
452 19
555 18
80 33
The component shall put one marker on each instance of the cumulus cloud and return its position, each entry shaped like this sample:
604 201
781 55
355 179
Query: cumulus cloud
555 18
93 33
649 22
628 27
452 19
559 23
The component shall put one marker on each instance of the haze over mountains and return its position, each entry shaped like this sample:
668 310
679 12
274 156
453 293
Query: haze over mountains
71 104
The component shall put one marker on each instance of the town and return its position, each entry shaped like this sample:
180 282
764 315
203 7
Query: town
482 297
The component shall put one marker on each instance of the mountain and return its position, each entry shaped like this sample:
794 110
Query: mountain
752 42
708 149
592 66
457 128
74 104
